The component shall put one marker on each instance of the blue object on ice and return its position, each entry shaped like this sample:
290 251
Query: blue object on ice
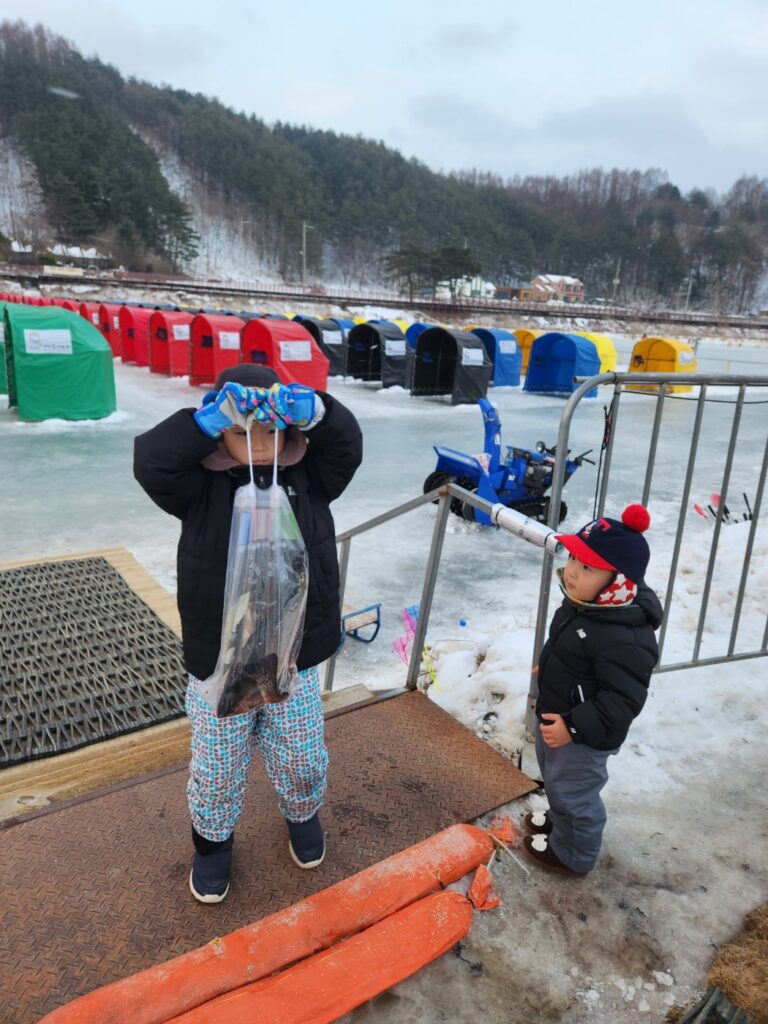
556 359
505 354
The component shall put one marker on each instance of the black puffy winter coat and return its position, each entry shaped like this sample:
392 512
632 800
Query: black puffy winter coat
167 464
595 668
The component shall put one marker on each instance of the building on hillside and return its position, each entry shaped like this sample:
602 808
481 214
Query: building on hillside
77 256
516 292
557 288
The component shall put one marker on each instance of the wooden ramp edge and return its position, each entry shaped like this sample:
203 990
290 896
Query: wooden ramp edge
36 784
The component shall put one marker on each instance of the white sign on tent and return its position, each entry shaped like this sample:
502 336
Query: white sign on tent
229 339
295 352
53 342
471 357
181 332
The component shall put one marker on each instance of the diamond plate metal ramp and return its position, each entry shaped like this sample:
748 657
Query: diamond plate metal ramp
95 890
82 658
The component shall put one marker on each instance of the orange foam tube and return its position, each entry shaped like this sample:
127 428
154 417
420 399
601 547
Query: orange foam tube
329 984
166 990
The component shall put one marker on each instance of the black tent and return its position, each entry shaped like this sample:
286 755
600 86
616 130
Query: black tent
451 363
330 340
377 352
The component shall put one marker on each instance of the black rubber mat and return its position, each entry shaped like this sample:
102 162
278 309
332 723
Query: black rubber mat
82 659
97 890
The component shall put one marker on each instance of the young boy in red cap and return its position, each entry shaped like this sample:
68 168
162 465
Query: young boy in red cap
593 680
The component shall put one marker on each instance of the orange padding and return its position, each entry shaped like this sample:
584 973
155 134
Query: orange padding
329 984
156 995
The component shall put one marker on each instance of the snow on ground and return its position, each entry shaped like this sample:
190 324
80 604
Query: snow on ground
684 855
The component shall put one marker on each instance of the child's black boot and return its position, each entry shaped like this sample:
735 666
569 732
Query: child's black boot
211 866
307 842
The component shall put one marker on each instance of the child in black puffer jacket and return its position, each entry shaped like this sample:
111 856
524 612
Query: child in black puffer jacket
593 680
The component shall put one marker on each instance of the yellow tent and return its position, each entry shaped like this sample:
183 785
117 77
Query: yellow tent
605 349
525 340
662 355
402 324
360 319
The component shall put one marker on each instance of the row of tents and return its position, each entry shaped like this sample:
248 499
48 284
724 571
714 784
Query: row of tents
427 359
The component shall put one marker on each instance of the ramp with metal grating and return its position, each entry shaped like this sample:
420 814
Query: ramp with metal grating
82 659
96 890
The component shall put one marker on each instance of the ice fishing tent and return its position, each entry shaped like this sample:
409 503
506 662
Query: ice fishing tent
525 340
377 351
3 373
504 353
214 346
330 338
414 330
662 355
59 365
134 333
90 311
605 349
109 325
69 304
556 359
289 348
169 341
451 363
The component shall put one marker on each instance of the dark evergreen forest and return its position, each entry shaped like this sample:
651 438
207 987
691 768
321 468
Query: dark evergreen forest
374 213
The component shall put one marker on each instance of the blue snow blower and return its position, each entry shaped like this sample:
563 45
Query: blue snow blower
519 478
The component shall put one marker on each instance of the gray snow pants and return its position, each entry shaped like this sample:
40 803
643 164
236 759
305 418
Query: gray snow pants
573 778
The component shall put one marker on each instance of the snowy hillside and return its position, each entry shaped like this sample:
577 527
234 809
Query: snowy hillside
22 211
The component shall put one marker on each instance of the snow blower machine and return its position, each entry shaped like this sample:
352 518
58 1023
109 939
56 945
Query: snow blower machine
519 478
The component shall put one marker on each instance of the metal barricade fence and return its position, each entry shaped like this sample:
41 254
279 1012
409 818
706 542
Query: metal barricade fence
543 536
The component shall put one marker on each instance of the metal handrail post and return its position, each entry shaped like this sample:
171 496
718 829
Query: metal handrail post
345 545
428 590
558 480
748 553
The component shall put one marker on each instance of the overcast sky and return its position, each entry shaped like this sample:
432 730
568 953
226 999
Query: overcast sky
514 88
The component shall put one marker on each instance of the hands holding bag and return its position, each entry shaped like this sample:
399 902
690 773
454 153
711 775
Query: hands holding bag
283 405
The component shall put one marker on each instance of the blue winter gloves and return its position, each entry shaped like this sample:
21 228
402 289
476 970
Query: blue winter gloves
223 409
282 405
287 405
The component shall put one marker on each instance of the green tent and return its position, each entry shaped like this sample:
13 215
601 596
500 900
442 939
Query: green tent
3 374
59 366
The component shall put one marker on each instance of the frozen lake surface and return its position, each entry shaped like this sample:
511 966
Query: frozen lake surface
683 857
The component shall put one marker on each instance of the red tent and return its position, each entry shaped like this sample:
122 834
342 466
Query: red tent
70 304
215 346
288 348
109 325
90 311
169 340
134 332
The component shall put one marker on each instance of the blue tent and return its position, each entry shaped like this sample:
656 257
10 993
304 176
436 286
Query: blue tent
505 354
414 331
556 359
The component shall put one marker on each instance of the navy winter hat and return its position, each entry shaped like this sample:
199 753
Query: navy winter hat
614 545
250 375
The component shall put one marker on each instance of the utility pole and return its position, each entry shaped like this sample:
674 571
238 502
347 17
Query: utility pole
690 287
304 228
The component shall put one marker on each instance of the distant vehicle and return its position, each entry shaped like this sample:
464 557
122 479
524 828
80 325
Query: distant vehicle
519 478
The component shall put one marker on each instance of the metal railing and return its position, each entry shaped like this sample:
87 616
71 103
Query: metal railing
620 382
544 536
507 519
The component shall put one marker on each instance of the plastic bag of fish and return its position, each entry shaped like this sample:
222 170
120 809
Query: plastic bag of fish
265 597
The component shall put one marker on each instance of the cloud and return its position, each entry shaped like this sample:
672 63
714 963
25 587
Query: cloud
464 121
470 37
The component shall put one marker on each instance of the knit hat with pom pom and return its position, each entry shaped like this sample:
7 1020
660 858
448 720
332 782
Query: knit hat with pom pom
610 544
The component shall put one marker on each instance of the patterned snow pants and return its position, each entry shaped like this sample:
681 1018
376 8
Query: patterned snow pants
289 737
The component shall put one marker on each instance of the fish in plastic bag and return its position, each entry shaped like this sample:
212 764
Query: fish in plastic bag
265 598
